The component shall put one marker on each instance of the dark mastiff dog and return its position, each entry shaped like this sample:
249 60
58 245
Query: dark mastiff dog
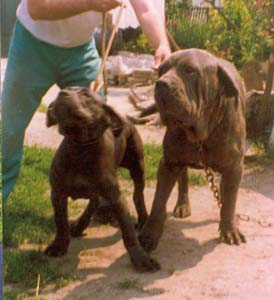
201 101
96 142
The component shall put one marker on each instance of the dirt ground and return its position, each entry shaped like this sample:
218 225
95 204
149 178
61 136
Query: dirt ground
194 264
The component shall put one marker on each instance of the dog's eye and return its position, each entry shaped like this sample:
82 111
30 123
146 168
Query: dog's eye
189 70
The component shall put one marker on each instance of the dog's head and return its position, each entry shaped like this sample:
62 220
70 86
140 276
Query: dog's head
191 85
82 116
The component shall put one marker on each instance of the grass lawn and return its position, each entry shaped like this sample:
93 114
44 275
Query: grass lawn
29 225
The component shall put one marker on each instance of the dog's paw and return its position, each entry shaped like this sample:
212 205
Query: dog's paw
182 211
57 248
232 236
143 262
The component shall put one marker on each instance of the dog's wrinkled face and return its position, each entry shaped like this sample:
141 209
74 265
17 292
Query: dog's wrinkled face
191 83
80 115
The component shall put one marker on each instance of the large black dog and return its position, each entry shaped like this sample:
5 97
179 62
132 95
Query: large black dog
201 100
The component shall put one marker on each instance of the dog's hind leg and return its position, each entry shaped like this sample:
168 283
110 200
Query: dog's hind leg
77 228
182 208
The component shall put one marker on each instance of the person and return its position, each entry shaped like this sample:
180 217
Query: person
53 43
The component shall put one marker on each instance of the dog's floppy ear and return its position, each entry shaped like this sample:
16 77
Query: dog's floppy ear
116 122
164 67
51 118
227 76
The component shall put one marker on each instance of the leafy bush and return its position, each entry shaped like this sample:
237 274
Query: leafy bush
189 35
137 45
241 32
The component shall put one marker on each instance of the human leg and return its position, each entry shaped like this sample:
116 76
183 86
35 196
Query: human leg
28 77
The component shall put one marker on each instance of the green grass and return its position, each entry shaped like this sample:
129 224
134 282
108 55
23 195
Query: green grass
21 267
262 156
153 154
12 295
28 219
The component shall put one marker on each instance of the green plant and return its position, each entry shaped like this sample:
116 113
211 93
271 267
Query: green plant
174 9
190 35
139 45
241 32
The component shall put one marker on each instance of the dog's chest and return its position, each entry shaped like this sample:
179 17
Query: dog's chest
81 186
77 175
178 150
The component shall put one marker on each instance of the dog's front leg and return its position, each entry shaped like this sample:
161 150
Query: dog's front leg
229 186
153 229
61 241
140 259
137 174
182 208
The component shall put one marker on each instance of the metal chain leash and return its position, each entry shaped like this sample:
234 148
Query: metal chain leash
213 186
261 222
243 217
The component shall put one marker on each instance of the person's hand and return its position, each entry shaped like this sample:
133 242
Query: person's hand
103 5
161 53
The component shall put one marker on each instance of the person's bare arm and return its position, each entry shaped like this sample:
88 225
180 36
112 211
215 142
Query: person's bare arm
154 28
61 9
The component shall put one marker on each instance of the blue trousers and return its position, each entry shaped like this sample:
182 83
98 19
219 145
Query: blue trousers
33 67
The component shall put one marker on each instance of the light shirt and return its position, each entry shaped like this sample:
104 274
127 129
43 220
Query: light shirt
129 18
70 32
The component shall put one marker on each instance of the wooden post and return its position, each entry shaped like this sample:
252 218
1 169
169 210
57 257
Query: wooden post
103 50
265 110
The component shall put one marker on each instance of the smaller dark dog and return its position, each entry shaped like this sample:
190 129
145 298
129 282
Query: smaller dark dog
96 142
